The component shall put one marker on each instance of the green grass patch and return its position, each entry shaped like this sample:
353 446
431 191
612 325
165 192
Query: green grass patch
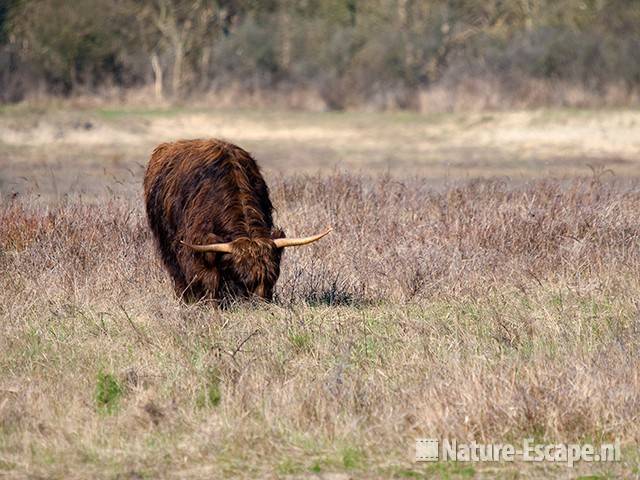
289 467
446 470
301 342
108 392
118 113
210 394
352 458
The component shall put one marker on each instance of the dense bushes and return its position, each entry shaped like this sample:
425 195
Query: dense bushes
347 51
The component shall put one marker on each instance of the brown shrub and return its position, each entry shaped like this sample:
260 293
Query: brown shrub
394 240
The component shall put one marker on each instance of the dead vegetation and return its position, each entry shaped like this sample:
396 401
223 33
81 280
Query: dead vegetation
483 310
63 149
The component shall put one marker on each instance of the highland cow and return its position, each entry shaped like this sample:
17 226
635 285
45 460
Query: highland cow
210 213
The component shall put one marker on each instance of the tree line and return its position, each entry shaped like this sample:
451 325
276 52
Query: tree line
345 50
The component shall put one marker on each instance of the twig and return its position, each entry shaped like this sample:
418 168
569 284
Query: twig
240 345
141 336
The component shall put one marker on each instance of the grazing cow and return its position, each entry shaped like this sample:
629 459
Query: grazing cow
210 213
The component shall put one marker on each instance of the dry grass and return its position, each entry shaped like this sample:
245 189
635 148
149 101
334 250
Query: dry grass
53 152
481 310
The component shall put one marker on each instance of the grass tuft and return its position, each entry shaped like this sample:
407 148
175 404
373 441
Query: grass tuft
108 392
210 394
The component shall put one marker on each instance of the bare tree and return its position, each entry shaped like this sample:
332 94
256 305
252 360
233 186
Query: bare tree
180 29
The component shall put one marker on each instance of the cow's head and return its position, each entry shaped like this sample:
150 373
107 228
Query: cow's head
251 266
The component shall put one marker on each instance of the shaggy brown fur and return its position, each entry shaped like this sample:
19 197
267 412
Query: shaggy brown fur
210 191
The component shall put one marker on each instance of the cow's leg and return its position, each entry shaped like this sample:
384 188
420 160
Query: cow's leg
180 287
174 267
200 269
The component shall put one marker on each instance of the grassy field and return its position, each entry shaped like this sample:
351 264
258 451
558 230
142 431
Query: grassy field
481 283
96 152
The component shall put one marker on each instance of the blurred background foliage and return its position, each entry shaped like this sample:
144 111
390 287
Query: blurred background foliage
365 52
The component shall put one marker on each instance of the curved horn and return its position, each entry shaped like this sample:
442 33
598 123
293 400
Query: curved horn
214 247
293 242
